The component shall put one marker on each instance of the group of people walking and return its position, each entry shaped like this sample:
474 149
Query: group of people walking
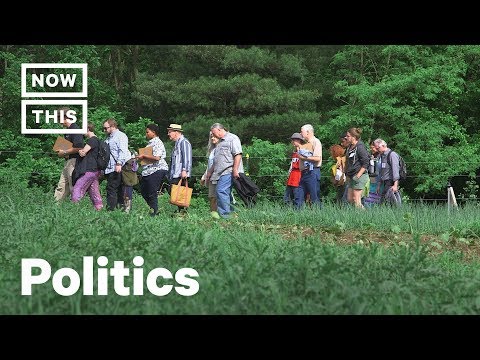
352 173
365 178
360 177
81 172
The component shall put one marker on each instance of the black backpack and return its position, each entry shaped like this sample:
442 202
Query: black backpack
103 157
403 167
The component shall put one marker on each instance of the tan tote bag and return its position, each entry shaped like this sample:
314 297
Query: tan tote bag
181 195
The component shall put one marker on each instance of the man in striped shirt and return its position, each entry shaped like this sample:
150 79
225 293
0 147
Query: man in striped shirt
181 159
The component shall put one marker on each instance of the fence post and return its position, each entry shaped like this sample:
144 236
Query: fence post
247 167
451 197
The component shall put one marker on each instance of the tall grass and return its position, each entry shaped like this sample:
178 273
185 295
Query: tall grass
420 218
243 269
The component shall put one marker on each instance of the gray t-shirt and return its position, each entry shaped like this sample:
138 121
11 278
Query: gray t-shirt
225 152
388 172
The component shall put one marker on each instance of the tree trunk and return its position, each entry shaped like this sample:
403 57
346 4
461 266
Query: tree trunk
115 63
134 70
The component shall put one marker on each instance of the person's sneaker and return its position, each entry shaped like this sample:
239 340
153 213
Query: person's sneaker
230 216
127 206
215 215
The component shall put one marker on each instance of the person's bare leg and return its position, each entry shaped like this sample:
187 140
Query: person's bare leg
213 203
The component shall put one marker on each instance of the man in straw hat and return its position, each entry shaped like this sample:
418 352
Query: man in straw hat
181 159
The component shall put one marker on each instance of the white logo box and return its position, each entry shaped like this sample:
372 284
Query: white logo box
73 94
82 130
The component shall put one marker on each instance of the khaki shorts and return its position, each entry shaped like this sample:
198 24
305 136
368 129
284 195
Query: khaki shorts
212 190
358 184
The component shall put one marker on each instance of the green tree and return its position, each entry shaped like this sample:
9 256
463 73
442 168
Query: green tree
409 96
254 91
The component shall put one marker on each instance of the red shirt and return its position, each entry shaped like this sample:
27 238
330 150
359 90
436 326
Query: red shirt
295 173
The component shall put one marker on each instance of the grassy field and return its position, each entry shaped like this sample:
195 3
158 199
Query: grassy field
269 260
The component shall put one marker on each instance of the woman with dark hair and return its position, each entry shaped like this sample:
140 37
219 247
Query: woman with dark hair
87 172
358 161
156 169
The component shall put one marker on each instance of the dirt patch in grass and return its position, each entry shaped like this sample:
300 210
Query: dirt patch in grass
470 248
436 245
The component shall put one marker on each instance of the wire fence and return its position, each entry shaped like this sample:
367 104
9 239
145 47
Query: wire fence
263 195
247 156
287 160
274 175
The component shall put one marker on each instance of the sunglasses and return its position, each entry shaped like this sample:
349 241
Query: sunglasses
106 128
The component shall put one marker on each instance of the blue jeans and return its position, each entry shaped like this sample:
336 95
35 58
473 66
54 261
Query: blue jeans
317 173
224 188
309 184
293 195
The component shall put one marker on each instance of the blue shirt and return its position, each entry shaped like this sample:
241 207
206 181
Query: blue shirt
119 152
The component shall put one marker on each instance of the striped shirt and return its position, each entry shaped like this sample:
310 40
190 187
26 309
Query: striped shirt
181 158
158 150
119 152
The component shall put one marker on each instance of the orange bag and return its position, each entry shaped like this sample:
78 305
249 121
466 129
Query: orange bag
181 195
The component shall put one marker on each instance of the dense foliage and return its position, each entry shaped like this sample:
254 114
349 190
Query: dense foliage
421 99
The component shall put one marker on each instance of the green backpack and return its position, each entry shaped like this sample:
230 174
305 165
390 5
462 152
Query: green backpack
129 175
